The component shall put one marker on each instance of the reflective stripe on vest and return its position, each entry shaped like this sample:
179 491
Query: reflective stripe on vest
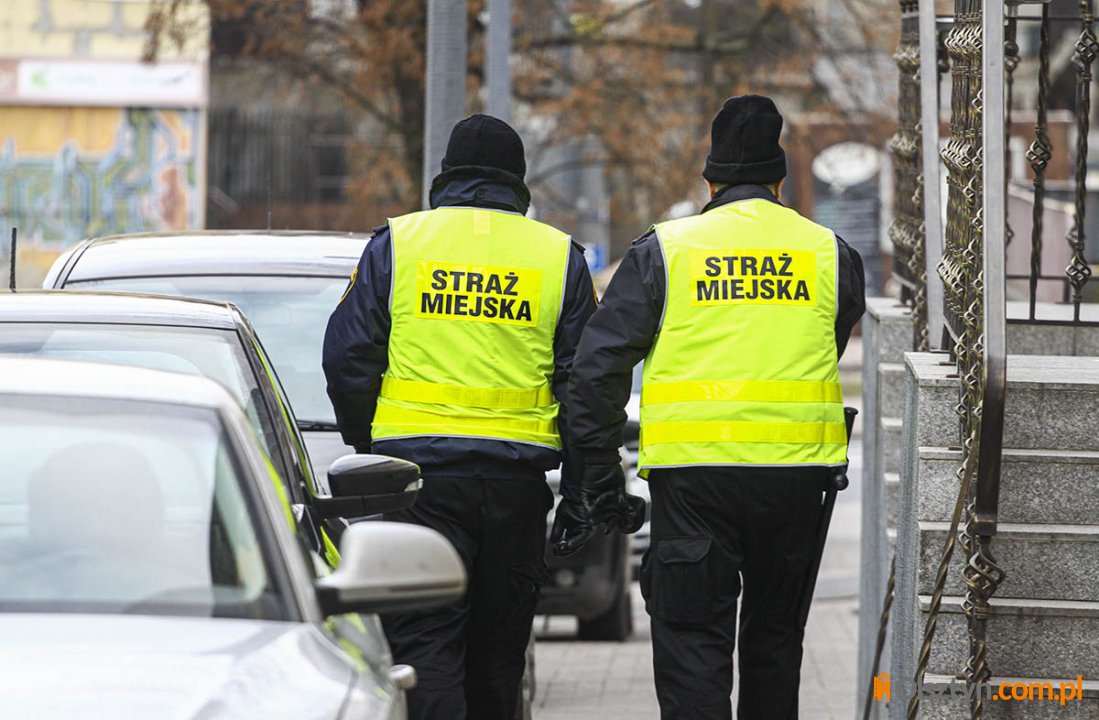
744 368
475 303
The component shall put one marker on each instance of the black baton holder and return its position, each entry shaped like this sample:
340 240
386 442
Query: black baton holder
837 482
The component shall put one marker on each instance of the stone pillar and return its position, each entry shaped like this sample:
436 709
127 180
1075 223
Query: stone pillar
931 391
886 335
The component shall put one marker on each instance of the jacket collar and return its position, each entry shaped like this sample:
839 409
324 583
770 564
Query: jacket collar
735 193
461 187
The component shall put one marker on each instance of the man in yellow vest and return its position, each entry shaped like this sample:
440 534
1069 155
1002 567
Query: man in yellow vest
452 348
740 314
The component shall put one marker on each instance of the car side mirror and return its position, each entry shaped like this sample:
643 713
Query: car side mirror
390 567
361 485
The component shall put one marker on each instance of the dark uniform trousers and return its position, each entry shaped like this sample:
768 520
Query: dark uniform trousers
715 532
469 656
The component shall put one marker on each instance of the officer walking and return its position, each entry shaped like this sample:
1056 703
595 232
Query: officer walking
452 348
740 314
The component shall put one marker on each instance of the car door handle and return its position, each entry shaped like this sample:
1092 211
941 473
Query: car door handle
403 676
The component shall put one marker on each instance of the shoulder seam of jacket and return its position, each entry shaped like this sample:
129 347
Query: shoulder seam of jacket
564 284
667 279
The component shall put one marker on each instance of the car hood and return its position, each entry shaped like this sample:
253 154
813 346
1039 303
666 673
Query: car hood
324 447
120 667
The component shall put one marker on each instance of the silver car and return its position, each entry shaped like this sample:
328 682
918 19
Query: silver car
285 282
153 567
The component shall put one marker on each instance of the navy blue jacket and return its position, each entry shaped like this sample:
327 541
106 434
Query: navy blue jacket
356 355
624 328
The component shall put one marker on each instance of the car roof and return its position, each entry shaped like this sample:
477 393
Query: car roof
50 377
222 252
123 308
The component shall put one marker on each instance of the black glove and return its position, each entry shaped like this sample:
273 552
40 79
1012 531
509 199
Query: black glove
604 491
571 528
637 515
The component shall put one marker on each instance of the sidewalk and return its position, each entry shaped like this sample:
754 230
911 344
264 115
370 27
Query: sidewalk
614 681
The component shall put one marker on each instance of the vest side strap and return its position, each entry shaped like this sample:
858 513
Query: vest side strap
495 398
807 391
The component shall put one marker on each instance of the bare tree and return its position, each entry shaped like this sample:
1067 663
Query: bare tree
633 84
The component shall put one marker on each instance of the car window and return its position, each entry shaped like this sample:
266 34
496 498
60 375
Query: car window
207 352
290 315
126 507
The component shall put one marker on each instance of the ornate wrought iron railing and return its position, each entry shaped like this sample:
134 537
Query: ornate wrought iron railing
907 228
982 53
1074 279
973 277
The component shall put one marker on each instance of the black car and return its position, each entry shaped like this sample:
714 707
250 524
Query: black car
593 585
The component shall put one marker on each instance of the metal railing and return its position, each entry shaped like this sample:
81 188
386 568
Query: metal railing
973 276
1076 275
906 231
981 50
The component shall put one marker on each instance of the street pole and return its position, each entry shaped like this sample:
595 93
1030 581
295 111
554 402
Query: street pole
445 101
932 197
498 55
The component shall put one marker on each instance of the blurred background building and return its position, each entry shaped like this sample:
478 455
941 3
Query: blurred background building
132 115
93 141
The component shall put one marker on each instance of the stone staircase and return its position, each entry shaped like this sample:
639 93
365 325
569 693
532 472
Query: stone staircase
1044 620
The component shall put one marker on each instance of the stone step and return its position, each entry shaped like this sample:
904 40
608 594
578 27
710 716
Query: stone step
1050 403
1054 562
945 698
891 389
1036 486
1052 638
890 444
891 482
1059 338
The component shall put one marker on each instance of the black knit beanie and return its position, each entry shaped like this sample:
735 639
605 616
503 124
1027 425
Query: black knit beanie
487 142
744 147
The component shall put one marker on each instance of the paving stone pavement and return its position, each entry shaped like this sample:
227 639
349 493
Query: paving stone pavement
614 681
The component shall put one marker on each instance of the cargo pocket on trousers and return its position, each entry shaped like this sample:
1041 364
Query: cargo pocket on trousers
679 580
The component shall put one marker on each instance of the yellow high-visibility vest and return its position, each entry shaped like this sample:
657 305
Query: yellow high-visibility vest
744 368
476 298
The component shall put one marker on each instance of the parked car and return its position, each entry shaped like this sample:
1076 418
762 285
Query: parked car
150 558
593 585
286 283
212 340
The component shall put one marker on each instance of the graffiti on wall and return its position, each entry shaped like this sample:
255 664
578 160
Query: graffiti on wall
68 173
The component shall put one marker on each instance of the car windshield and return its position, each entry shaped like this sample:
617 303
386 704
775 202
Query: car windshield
206 352
111 506
290 315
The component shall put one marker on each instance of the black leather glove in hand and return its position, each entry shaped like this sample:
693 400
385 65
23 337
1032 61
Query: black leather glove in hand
604 492
571 528
637 515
